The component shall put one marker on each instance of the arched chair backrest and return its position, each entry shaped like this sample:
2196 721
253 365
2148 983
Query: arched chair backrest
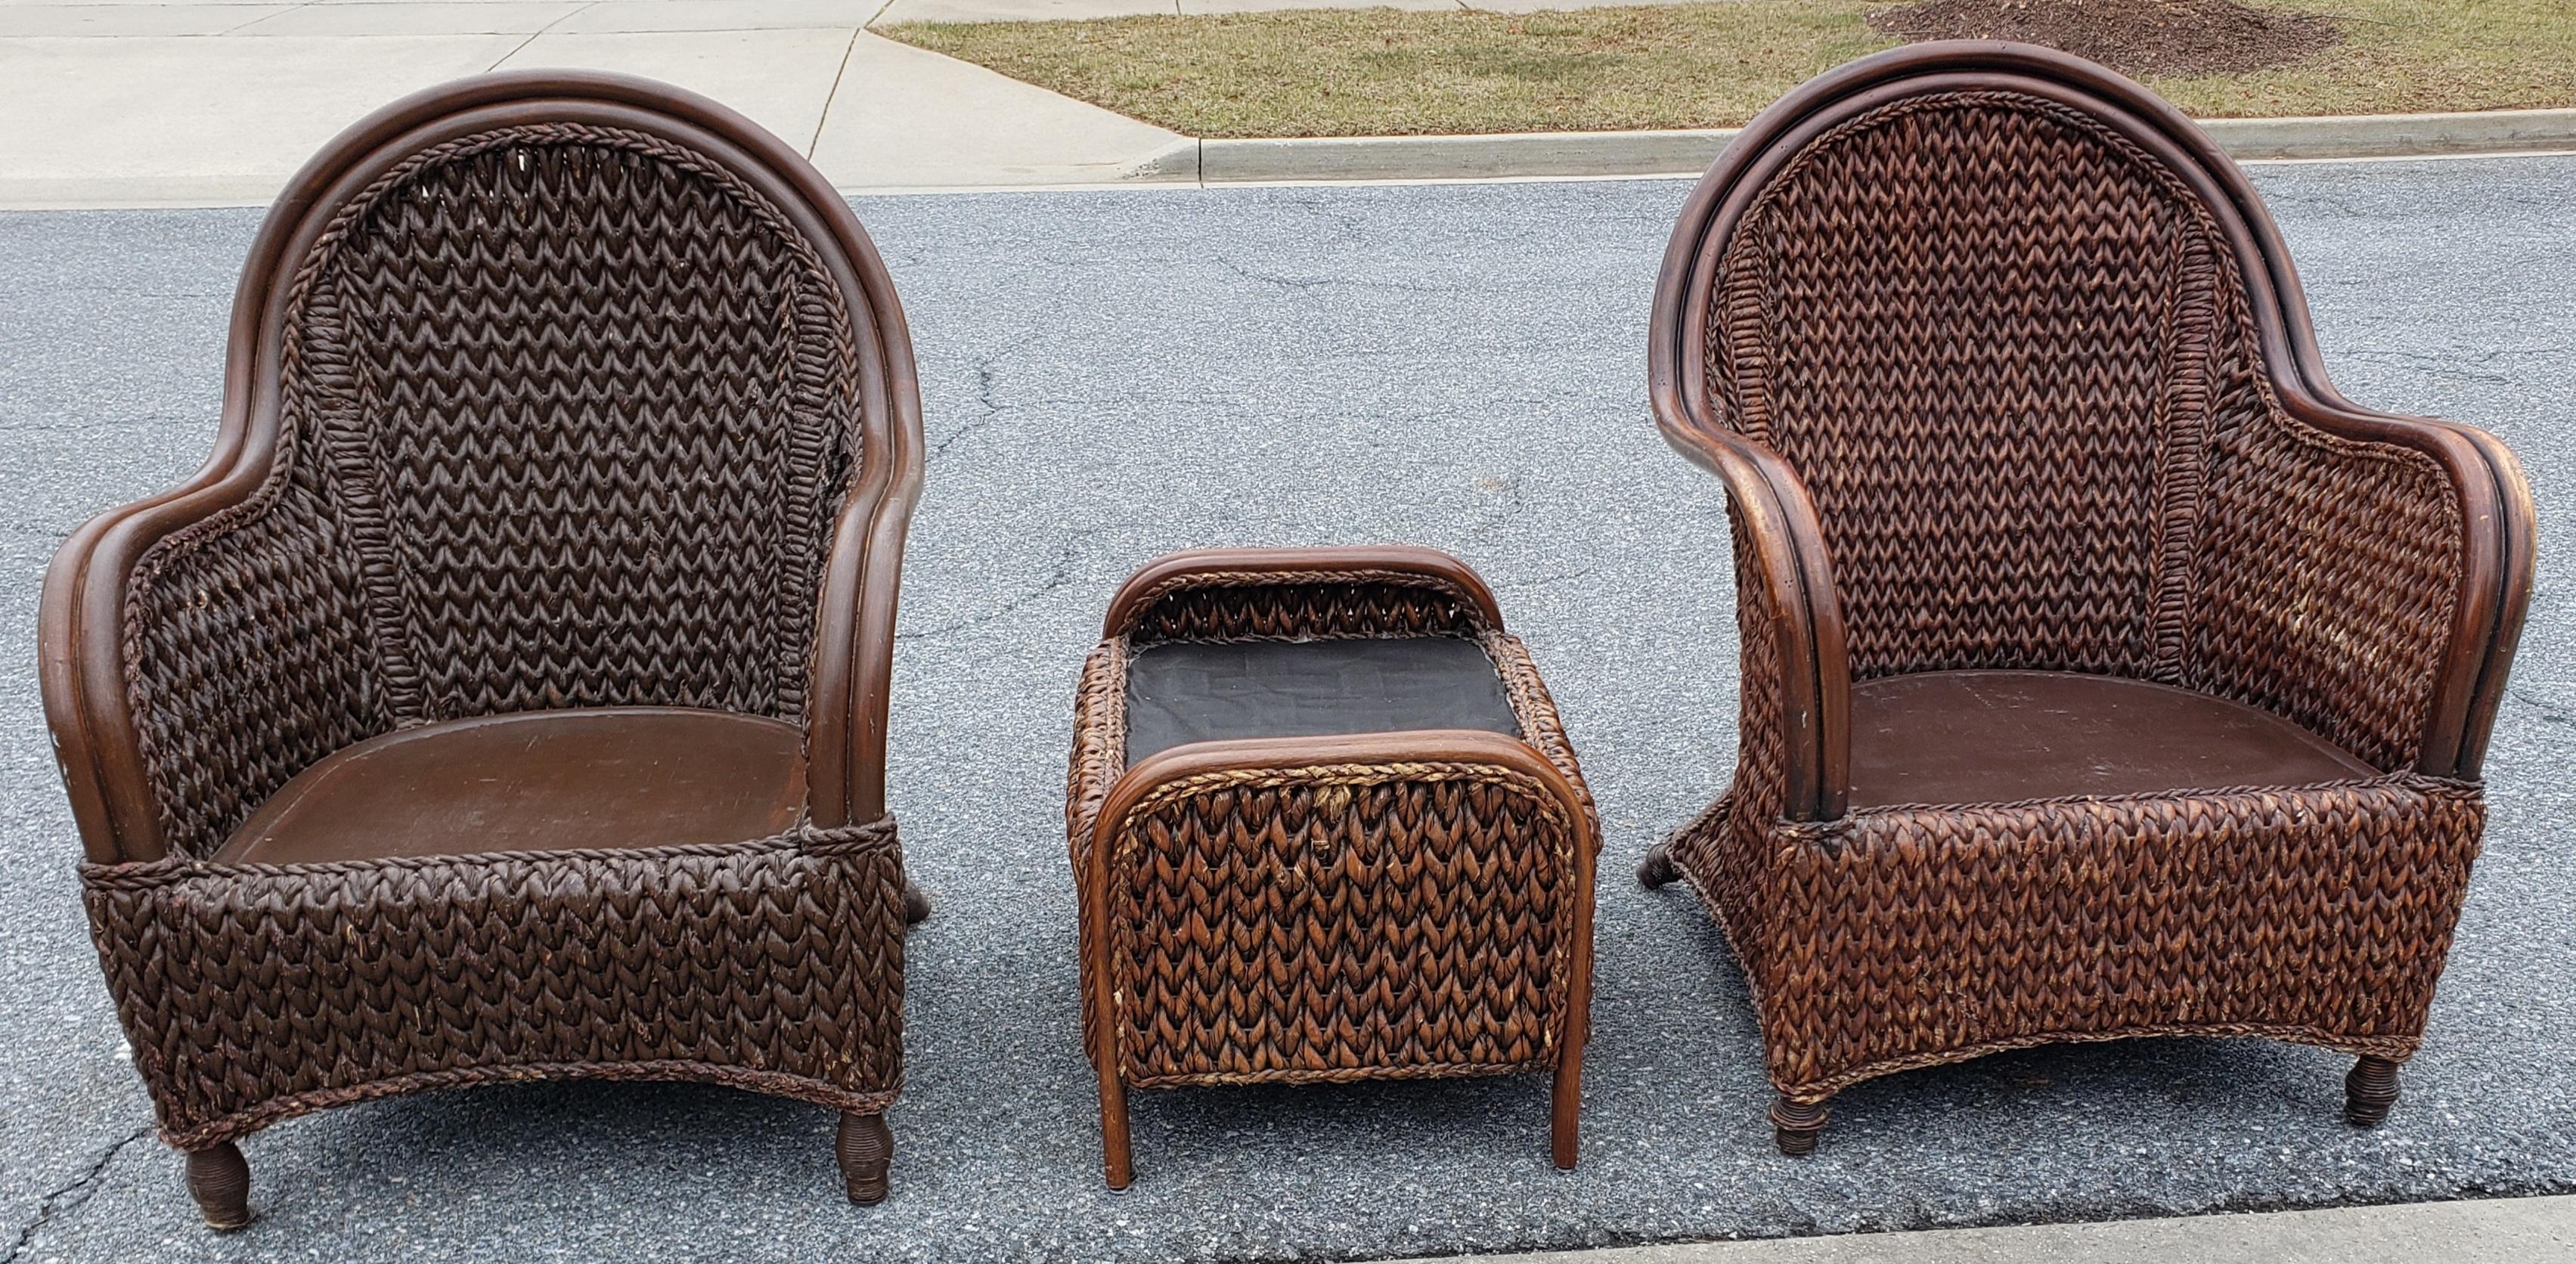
546 390
2029 345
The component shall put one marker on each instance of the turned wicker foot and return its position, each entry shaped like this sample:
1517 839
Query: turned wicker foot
866 1150
2369 1091
1795 1125
916 904
219 1179
1657 870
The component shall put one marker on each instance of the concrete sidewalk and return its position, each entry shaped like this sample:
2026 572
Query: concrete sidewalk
2493 1231
116 104
112 103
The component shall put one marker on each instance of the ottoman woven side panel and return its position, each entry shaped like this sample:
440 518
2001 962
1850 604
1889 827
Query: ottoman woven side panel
1344 922
252 993
1908 937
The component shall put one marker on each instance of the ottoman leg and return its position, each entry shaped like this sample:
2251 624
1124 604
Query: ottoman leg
1114 1154
1565 1117
1795 1125
916 904
866 1149
219 1179
2369 1092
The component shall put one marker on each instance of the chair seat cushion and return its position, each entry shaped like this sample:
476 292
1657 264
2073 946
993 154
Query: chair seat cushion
1208 691
537 781
2001 736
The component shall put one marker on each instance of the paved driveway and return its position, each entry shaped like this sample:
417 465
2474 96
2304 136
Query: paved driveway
1109 375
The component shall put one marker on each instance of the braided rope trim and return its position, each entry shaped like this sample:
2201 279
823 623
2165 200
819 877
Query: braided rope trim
1540 724
254 993
1464 609
819 1092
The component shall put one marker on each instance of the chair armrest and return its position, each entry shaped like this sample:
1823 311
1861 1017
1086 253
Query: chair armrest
2436 706
230 666
1788 614
1219 594
1099 742
853 669
82 680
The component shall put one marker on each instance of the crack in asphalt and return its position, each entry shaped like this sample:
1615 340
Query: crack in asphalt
1057 578
1307 285
67 1197
2548 712
2453 365
988 368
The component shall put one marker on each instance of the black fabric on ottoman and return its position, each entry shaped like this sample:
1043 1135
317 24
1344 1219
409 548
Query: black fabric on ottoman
1205 691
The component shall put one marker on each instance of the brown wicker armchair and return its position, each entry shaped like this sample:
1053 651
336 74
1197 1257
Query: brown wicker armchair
506 697
2105 673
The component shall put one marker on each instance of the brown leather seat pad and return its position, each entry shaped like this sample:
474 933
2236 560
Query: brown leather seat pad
1999 736
1206 691
537 781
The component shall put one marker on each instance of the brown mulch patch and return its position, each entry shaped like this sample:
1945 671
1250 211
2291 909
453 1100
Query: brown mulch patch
2134 37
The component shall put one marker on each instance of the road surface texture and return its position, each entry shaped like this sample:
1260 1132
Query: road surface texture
1109 375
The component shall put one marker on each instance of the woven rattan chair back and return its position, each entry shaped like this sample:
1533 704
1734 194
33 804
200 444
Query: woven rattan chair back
557 398
2005 316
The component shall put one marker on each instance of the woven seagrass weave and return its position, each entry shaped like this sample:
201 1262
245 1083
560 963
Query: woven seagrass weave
550 393
1977 336
1326 909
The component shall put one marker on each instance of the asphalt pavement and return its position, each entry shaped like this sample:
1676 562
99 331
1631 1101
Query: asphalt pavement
1108 375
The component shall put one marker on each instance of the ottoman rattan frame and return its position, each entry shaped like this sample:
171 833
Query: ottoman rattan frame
1430 846
2359 574
359 555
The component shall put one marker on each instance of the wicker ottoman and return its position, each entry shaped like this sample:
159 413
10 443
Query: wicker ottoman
1325 827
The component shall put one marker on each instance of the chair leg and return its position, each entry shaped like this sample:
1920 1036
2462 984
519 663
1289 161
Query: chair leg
219 1179
1565 1115
916 904
866 1149
1657 870
1795 1125
2369 1091
1115 1156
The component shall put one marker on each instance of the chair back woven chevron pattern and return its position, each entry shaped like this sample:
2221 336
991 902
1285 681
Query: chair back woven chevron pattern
567 412
2010 354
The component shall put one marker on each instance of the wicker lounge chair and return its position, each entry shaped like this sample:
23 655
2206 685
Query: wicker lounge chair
506 697
2105 672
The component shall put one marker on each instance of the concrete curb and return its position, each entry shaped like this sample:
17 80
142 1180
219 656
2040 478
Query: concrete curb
1528 154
